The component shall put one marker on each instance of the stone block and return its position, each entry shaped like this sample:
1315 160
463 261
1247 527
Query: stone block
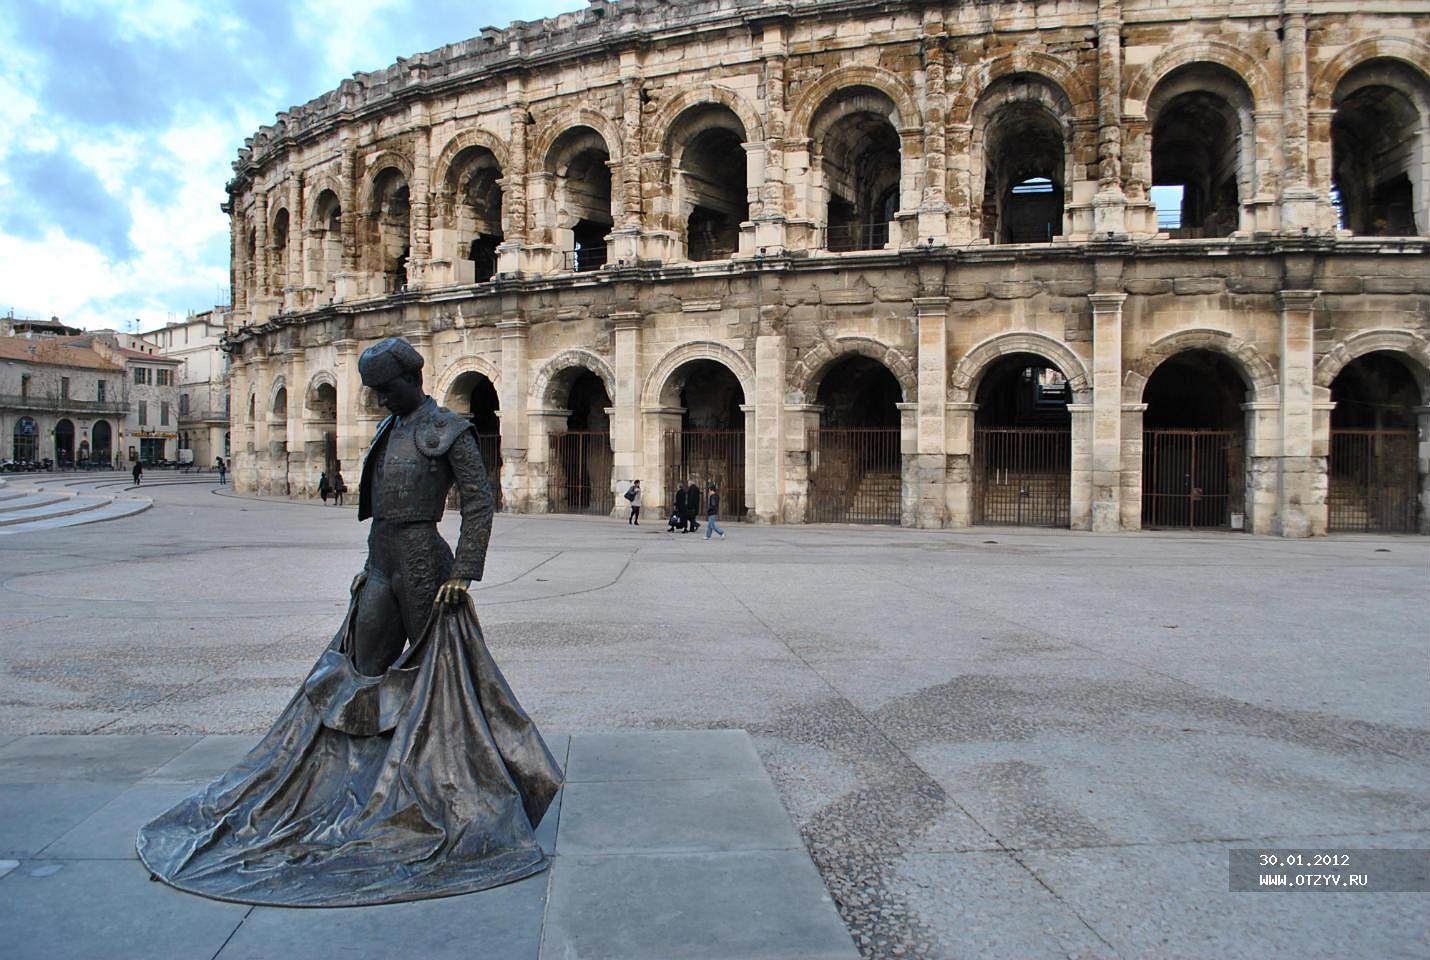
1014 289
1395 285
1198 286
1150 287
967 291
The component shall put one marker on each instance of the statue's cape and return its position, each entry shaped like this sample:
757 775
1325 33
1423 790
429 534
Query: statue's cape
425 782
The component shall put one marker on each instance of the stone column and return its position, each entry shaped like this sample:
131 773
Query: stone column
626 423
925 484
542 423
1106 411
959 481
933 202
262 454
515 431
1301 504
350 442
241 450
1262 494
348 282
908 462
299 482
420 222
1109 206
1132 444
768 490
801 459
1080 476
770 221
421 341
1298 200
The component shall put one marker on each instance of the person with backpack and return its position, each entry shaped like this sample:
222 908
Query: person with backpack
633 494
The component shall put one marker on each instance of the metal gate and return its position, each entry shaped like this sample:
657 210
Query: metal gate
1192 478
490 446
1022 476
855 476
708 456
579 477
1374 480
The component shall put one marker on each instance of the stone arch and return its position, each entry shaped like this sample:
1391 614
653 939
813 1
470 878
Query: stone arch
1050 69
969 371
461 141
660 374
663 124
313 189
1251 71
1256 371
891 85
384 160
1404 343
279 384
546 385
442 385
568 120
319 379
809 371
1414 53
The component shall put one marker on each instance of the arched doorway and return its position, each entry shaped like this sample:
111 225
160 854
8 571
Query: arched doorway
278 443
474 396
64 443
580 457
856 465
1378 141
1194 444
1373 463
709 447
1202 150
859 157
322 432
1022 444
101 441
25 446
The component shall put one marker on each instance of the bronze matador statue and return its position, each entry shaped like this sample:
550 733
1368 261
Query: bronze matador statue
396 772
418 453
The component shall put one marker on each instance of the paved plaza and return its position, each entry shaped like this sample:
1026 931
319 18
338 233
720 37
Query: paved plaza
992 742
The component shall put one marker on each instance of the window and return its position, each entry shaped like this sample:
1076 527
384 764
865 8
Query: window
24 384
64 388
100 395
139 373
166 377
143 413
164 414
183 404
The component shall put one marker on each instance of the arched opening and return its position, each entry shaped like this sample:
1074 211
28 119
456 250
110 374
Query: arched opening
25 441
1201 128
64 443
1018 123
581 456
580 165
713 181
709 447
1375 481
323 416
325 252
856 464
475 397
1022 444
386 245
250 264
472 205
1194 443
278 443
858 152
278 276
101 441
1379 148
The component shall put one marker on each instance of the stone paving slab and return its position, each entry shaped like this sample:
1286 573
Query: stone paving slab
703 863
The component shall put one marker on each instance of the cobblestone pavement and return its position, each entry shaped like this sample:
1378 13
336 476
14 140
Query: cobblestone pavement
995 743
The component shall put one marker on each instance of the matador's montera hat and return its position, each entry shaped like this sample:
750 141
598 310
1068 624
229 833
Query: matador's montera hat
387 360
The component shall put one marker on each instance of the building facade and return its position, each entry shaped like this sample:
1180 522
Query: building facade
60 400
202 390
1102 265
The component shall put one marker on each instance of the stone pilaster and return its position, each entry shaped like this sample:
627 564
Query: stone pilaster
926 478
1298 200
629 463
1080 479
347 283
1109 206
770 220
958 491
515 431
1107 438
420 223
801 459
933 203
299 483
1262 493
350 442
1132 465
769 428
1301 505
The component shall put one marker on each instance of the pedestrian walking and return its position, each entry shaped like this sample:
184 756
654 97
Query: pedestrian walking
324 488
339 488
222 469
677 510
633 494
692 506
712 507
138 472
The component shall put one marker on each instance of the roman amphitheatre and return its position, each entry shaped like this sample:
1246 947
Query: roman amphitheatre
1100 266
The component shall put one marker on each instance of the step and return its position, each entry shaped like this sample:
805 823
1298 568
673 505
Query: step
33 498
113 510
60 508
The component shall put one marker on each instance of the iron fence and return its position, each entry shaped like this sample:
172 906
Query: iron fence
490 446
579 478
855 475
1374 480
1192 478
1022 476
709 456
857 236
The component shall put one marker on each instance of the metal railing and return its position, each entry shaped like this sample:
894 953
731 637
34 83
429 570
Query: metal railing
16 401
857 236
855 475
1192 478
490 446
579 477
1022 476
708 456
1374 480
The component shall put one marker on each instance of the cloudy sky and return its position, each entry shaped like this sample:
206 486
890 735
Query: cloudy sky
121 119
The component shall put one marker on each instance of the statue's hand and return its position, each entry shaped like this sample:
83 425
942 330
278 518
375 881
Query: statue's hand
453 592
358 581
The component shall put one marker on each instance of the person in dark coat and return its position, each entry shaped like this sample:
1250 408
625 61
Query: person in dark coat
677 510
323 487
692 506
339 487
138 473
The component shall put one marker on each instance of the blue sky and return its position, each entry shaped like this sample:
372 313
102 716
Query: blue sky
122 118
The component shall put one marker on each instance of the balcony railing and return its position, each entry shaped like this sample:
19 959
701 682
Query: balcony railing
15 401
857 236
